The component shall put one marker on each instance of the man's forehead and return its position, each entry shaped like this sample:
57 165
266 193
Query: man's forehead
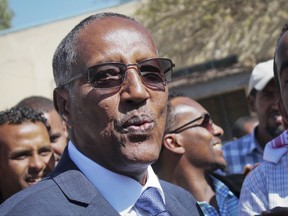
282 45
186 105
281 54
105 33
183 108
270 84
111 24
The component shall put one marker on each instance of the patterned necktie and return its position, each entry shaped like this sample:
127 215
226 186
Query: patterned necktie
151 201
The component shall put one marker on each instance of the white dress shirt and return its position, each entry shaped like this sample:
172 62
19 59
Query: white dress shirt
120 191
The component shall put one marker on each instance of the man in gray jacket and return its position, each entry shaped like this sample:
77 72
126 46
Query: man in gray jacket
112 93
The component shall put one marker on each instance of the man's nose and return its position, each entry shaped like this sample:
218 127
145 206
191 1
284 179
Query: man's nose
133 88
218 131
36 163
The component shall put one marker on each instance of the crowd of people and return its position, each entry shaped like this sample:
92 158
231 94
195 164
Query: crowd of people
115 141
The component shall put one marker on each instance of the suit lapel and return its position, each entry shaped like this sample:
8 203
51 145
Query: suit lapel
79 190
179 203
99 207
172 205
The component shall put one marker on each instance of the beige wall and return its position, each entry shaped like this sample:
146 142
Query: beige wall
26 58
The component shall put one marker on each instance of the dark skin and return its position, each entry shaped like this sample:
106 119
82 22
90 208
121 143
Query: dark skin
264 104
191 155
26 156
132 118
281 56
277 211
58 133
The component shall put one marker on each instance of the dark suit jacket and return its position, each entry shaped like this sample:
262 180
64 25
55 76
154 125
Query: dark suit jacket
67 191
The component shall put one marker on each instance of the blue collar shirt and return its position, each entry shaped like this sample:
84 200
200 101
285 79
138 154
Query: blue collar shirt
242 151
226 200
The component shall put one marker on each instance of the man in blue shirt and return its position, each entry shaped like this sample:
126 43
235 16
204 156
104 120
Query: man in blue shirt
191 152
262 100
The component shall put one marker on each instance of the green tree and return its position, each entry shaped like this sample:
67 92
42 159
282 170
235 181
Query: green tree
5 15
196 31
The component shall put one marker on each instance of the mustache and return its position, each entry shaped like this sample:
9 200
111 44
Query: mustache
134 118
275 112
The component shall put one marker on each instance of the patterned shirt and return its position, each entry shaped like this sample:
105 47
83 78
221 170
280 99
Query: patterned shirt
227 201
265 187
242 151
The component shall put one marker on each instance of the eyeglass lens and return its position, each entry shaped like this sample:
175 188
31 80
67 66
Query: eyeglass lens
207 123
154 72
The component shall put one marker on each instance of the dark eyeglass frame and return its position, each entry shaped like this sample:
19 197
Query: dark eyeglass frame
205 116
165 76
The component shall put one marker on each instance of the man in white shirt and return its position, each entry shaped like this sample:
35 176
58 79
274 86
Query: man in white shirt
265 190
112 93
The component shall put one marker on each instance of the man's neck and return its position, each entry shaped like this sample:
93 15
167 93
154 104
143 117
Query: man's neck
262 136
195 181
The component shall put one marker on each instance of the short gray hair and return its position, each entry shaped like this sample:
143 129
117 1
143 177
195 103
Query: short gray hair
66 53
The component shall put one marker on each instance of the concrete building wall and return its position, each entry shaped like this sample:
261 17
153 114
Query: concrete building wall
26 57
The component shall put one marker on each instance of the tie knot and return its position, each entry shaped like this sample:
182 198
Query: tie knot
151 201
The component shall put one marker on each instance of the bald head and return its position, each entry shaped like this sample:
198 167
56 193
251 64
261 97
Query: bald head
70 52
179 105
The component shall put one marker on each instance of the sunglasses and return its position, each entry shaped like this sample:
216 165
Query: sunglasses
155 72
207 123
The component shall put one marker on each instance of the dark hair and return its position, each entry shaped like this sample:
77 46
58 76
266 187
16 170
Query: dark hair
18 115
238 129
171 115
253 92
39 103
275 69
170 125
66 53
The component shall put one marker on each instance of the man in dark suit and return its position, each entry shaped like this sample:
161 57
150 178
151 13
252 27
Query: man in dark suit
112 93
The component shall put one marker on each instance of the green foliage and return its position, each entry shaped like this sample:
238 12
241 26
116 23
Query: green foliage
5 15
195 31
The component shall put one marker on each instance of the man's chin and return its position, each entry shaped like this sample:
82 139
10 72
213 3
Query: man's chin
276 132
221 166
217 166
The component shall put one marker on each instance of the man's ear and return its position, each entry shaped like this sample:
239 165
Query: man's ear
60 98
282 110
171 143
251 103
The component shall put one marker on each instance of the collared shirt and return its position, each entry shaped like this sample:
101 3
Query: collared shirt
114 186
265 187
242 151
276 148
227 201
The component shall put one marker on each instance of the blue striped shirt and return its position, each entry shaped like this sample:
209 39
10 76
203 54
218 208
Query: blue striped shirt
266 187
242 151
226 200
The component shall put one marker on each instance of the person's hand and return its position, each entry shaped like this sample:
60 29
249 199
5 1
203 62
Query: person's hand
277 211
248 168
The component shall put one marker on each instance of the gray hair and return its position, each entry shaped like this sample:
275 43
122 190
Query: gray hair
66 54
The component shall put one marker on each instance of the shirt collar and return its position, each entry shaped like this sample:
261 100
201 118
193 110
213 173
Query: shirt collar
253 145
113 186
256 144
